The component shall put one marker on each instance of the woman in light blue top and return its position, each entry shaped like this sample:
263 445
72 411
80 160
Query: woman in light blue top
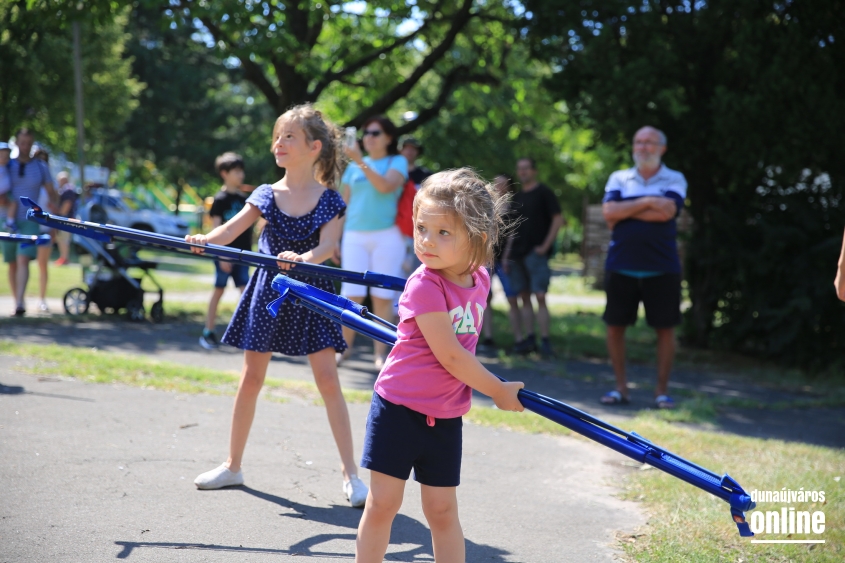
371 187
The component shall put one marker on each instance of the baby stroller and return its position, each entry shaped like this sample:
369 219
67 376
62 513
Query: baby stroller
110 287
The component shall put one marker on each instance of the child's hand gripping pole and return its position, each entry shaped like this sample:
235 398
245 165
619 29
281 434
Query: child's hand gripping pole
112 233
630 444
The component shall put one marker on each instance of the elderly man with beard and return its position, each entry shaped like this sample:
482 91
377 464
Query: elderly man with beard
640 207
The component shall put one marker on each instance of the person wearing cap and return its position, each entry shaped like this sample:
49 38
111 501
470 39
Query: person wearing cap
27 176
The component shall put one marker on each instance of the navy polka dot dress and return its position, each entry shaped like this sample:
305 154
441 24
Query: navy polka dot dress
296 331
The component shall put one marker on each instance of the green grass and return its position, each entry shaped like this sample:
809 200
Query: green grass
62 278
574 285
578 333
686 525
186 312
97 366
179 263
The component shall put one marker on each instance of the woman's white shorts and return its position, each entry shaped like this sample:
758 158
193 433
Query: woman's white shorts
380 251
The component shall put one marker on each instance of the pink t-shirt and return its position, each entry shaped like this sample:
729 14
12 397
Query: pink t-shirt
412 376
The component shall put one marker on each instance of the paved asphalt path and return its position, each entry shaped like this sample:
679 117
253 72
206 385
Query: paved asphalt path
579 383
104 472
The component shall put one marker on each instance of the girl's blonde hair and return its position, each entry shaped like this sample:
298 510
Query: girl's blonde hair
475 205
329 163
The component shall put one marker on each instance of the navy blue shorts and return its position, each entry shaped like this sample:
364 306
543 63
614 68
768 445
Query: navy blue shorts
239 274
661 297
399 439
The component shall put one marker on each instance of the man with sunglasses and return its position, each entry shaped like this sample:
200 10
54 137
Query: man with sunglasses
26 177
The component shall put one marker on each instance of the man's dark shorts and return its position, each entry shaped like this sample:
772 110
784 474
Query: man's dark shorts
239 275
661 296
399 439
530 274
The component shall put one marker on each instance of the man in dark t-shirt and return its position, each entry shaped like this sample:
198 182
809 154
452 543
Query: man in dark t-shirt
228 202
538 212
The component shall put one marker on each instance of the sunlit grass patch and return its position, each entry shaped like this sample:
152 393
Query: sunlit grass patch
521 422
97 366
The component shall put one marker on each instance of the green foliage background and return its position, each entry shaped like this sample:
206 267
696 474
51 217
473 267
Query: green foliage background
748 92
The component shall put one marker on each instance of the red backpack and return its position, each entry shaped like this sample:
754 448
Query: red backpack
405 209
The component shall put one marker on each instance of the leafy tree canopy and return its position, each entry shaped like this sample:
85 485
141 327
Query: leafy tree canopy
296 51
36 74
749 94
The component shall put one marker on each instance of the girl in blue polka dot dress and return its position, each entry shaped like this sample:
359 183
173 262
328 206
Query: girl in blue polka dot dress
303 214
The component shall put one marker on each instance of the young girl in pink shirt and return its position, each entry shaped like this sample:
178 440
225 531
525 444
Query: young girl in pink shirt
427 381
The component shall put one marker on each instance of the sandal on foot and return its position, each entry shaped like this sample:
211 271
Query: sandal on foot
613 398
664 402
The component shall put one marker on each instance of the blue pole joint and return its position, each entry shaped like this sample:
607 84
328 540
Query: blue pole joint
273 306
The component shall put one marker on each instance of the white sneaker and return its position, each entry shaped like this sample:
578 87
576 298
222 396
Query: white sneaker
356 491
218 478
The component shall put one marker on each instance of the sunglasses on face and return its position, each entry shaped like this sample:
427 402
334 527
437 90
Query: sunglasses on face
373 133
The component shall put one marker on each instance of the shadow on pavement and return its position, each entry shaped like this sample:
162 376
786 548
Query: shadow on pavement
406 531
18 390
129 546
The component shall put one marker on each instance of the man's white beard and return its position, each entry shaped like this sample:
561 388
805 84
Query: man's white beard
649 161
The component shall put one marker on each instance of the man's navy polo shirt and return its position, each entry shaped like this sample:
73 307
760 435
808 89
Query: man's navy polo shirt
645 246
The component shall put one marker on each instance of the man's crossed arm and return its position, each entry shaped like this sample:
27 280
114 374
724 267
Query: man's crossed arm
654 209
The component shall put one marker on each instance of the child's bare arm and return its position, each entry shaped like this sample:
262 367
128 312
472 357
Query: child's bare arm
329 236
228 231
458 361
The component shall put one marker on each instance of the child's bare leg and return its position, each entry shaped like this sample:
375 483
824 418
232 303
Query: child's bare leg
252 378
440 506
383 502
43 255
324 366
22 279
516 319
211 318
64 246
13 279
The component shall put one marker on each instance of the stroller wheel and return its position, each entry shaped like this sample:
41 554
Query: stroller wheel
157 312
76 301
136 311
